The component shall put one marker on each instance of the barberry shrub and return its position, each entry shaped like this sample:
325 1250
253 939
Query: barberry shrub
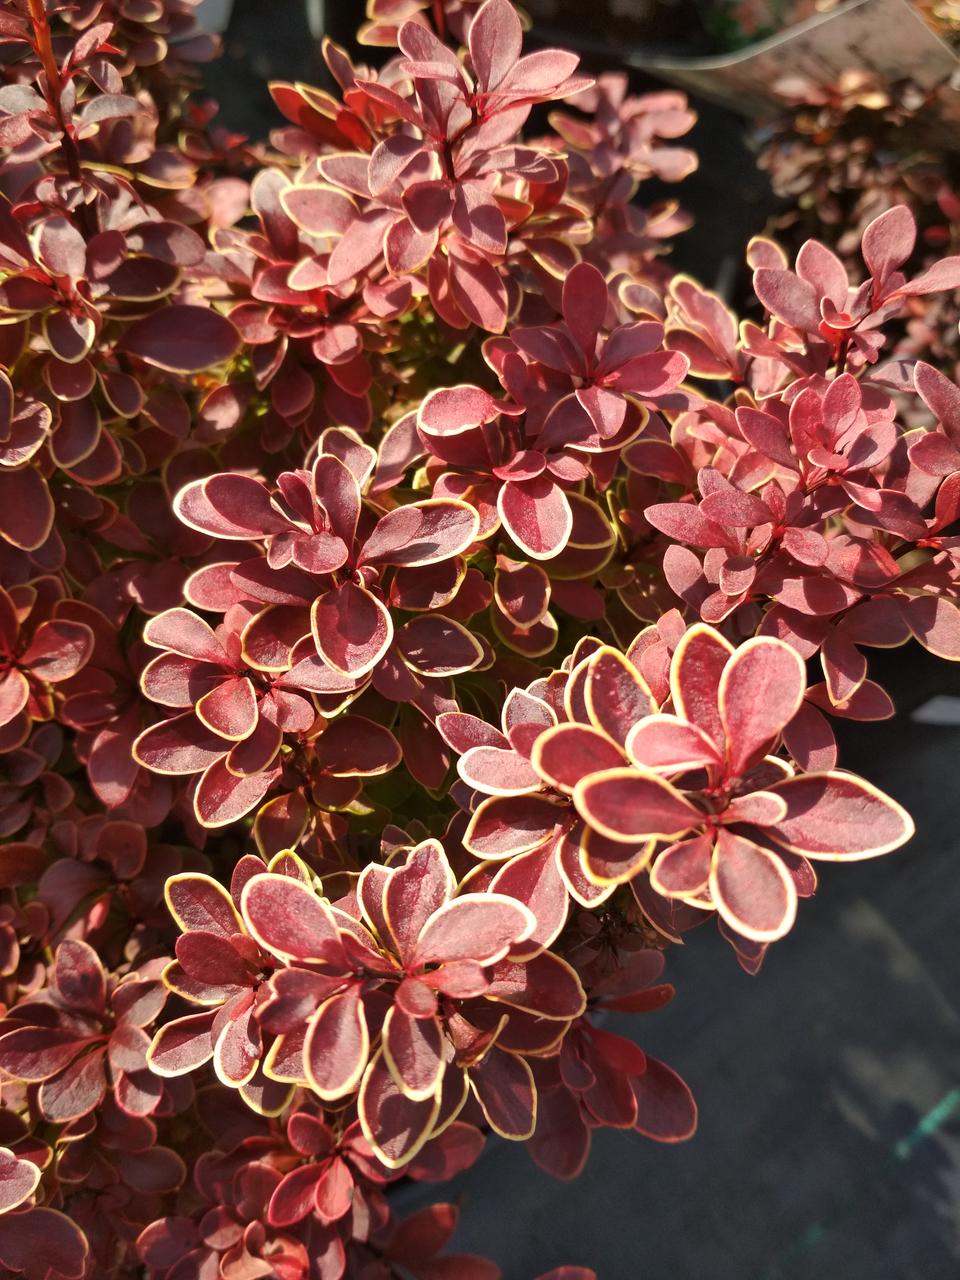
420 608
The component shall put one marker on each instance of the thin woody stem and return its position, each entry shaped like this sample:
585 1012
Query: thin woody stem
43 44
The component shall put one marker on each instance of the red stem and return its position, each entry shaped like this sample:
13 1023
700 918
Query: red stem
43 44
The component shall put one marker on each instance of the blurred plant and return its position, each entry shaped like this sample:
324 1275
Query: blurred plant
840 155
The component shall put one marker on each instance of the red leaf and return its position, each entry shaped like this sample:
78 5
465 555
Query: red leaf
840 817
760 692
394 1125
433 645
534 879
198 902
624 804
752 889
413 1052
666 1109
79 977
26 508
75 1091
223 796
288 918
353 746
616 695
337 1046
506 825
181 1046
537 515
352 629
182 338
293 1198
210 958
478 926
683 870
585 304
545 986
504 1087
18 1180
888 242
43 1242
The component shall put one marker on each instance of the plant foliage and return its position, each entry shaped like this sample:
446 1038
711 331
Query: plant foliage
419 608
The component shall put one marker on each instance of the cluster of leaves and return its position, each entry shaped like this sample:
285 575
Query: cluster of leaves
410 594
842 153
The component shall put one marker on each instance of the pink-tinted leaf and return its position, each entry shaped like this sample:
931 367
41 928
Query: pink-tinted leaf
18 1180
352 629
935 622
413 1052
14 694
683 869
337 1046
695 671
477 926
495 42
760 691
183 632
58 649
941 396
752 889
668 744
888 242
230 505
498 771
616 695
422 533
566 753
414 892
506 825
534 879
537 516
837 816
627 805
